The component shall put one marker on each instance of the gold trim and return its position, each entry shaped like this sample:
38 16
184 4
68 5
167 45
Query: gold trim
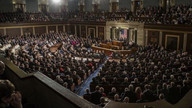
176 36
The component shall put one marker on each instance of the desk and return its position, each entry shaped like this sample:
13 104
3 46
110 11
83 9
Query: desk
109 46
109 51
117 43
54 48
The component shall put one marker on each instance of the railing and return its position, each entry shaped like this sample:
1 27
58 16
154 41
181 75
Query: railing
42 91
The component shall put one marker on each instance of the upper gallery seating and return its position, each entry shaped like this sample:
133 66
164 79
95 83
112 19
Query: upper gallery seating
180 14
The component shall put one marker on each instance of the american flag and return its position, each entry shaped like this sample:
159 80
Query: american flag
123 34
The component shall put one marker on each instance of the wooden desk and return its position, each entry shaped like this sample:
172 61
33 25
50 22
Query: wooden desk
117 43
105 45
109 46
54 48
109 51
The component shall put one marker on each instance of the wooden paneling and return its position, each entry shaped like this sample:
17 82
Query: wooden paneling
83 31
67 28
1 32
13 31
27 30
167 28
40 30
181 35
60 29
153 37
189 43
51 28
101 33
78 31
72 29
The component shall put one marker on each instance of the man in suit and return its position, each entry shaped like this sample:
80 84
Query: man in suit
96 95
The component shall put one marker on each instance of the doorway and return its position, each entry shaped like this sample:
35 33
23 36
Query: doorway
91 32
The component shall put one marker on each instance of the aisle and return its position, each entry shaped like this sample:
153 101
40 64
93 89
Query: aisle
86 84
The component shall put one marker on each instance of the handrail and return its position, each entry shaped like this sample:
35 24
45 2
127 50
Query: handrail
38 78
20 73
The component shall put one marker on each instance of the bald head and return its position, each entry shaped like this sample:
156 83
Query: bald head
2 67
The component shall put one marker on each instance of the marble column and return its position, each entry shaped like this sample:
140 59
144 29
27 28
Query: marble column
160 38
33 30
21 30
47 31
97 31
146 37
64 28
75 30
5 32
80 30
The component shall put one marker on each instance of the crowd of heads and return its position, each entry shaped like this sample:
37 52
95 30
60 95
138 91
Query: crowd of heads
15 17
180 14
150 74
65 58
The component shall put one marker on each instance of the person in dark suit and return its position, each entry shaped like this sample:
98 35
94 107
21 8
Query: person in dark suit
87 96
173 93
96 95
113 92
148 94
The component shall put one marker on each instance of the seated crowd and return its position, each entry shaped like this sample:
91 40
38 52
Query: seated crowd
181 14
150 74
15 17
69 63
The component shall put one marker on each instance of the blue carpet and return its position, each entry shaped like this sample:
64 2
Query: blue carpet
86 84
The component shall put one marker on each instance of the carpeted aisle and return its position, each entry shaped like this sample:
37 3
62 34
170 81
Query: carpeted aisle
81 90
